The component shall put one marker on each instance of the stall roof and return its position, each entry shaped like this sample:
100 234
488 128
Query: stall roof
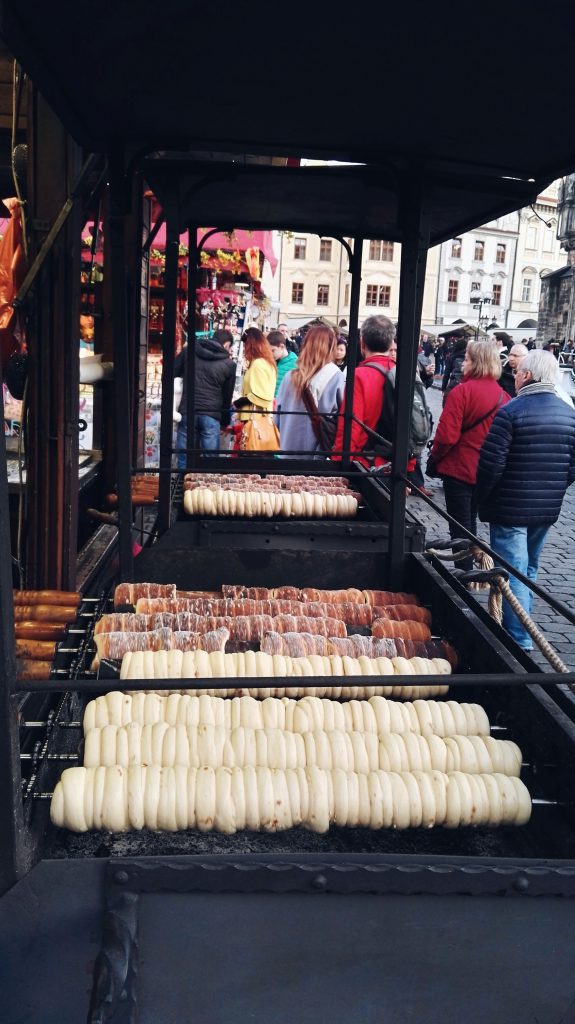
393 86
344 201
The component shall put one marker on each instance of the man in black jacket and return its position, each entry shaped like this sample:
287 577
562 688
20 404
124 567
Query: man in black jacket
214 379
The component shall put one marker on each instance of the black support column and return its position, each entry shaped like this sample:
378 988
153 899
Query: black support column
13 857
122 379
353 354
192 456
168 359
413 263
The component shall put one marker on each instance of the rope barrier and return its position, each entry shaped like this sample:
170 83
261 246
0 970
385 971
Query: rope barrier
498 589
504 590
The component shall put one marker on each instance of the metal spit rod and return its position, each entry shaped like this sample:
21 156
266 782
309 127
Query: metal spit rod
50 757
537 802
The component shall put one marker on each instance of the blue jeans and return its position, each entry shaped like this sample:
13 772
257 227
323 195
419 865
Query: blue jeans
207 436
521 546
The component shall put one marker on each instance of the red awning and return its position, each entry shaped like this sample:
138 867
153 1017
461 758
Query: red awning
239 242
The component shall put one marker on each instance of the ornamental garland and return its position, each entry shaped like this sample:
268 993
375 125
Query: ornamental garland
221 260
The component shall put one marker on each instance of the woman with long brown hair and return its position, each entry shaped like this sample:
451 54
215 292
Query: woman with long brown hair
258 388
310 396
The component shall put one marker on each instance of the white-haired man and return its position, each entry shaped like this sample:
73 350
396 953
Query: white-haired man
507 380
526 464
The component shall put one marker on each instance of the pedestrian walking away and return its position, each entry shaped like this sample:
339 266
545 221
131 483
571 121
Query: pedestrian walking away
310 396
526 465
378 346
453 374
214 379
463 426
374 400
259 382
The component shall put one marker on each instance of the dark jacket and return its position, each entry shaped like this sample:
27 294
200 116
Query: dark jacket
456 447
454 367
507 380
215 377
527 461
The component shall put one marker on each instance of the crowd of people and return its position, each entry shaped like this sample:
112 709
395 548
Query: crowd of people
504 446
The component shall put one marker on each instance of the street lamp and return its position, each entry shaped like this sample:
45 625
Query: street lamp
479 300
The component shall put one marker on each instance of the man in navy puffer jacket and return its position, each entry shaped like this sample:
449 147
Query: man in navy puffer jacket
526 464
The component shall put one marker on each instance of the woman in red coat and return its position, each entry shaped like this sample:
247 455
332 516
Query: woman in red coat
463 426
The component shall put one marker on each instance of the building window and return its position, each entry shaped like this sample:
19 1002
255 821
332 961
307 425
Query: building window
381 251
297 293
531 237
325 250
475 288
479 250
456 248
452 290
501 248
526 289
346 295
496 300
378 295
323 294
299 248
548 236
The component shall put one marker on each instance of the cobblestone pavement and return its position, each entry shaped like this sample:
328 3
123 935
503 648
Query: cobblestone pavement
557 566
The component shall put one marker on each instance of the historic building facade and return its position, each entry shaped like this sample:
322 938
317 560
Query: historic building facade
313 279
476 270
557 300
492 275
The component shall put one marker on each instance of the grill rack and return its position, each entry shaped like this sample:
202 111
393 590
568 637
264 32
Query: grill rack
43 715
550 833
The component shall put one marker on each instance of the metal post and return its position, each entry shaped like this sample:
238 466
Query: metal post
122 390
168 359
413 262
192 457
353 344
12 848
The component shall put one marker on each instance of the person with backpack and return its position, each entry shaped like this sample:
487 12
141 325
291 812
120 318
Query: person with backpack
464 424
374 400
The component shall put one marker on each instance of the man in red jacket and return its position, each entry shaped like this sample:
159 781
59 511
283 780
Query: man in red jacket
377 345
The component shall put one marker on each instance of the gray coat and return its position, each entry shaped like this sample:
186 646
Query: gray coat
296 431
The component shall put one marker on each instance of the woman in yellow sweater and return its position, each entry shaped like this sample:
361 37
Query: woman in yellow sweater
258 386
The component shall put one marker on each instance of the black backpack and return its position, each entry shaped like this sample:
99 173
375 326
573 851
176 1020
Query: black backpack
421 424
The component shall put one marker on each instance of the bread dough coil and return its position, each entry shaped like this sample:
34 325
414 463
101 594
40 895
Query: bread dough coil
249 664
204 501
263 799
218 746
377 715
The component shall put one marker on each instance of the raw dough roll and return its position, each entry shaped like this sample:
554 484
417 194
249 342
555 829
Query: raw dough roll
200 665
230 799
377 715
219 746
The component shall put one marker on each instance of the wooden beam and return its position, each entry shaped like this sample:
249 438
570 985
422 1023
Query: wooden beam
53 338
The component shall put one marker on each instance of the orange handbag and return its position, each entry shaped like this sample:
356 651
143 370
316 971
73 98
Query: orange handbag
260 434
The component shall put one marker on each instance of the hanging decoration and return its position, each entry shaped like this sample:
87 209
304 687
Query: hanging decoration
252 256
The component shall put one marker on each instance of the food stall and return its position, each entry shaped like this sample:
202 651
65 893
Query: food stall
121 903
